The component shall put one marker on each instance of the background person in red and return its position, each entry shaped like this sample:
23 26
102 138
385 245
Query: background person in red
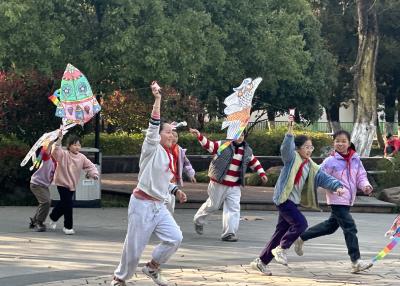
392 145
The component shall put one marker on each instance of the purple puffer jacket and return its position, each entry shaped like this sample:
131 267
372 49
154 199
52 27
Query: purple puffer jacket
184 166
353 176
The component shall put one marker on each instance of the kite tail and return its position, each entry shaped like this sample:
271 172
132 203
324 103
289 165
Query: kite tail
227 143
223 146
387 248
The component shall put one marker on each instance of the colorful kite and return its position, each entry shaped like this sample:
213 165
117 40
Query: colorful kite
75 100
394 232
75 105
238 110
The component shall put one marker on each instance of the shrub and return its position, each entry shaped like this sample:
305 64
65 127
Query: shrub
263 143
116 143
213 126
14 180
391 176
25 110
202 177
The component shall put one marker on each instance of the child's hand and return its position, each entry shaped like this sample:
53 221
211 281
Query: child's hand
389 233
155 89
340 192
194 132
60 134
368 190
264 180
181 196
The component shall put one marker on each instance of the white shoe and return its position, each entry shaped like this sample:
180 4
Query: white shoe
280 255
155 275
118 282
257 264
360 265
298 246
52 225
68 231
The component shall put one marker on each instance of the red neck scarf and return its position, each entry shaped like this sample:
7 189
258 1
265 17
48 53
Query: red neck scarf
170 164
347 157
299 173
175 155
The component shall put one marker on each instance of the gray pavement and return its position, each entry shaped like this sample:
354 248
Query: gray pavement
90 256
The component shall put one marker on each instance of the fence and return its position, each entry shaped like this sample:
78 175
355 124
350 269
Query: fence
318 126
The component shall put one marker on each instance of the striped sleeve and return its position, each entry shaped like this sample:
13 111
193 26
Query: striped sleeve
155 118
255 165
210 146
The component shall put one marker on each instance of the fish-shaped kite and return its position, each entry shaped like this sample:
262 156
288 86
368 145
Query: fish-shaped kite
238 106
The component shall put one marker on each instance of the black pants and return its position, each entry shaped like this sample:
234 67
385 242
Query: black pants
64 207
340 216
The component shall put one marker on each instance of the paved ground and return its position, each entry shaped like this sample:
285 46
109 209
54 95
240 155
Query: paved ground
90 256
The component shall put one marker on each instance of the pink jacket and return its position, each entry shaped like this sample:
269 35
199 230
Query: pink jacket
69 166
352 175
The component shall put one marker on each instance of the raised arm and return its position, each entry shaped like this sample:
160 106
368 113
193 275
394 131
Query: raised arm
288 147
152 138
57 151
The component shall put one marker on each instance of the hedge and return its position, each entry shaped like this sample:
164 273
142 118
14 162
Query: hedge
262 142
14 180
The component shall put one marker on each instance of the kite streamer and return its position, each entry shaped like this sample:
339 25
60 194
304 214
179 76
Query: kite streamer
387 248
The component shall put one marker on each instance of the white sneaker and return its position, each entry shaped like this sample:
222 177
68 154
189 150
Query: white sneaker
52 225
280 255
68 231
154 274
360 265
298 246
257 264
118 282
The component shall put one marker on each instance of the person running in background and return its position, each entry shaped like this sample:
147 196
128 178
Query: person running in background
346 166
297 185
70 163
226 174
39 185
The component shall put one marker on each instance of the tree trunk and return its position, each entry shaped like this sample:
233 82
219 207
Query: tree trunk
332 114
364 77
271 119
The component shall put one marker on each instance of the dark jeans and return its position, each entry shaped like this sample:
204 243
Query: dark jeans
340 216
291 223
64 207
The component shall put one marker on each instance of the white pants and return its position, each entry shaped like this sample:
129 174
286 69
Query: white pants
217 195
144 218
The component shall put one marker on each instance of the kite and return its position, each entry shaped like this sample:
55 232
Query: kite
394 232
43 142
75 103
75 100
238 106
